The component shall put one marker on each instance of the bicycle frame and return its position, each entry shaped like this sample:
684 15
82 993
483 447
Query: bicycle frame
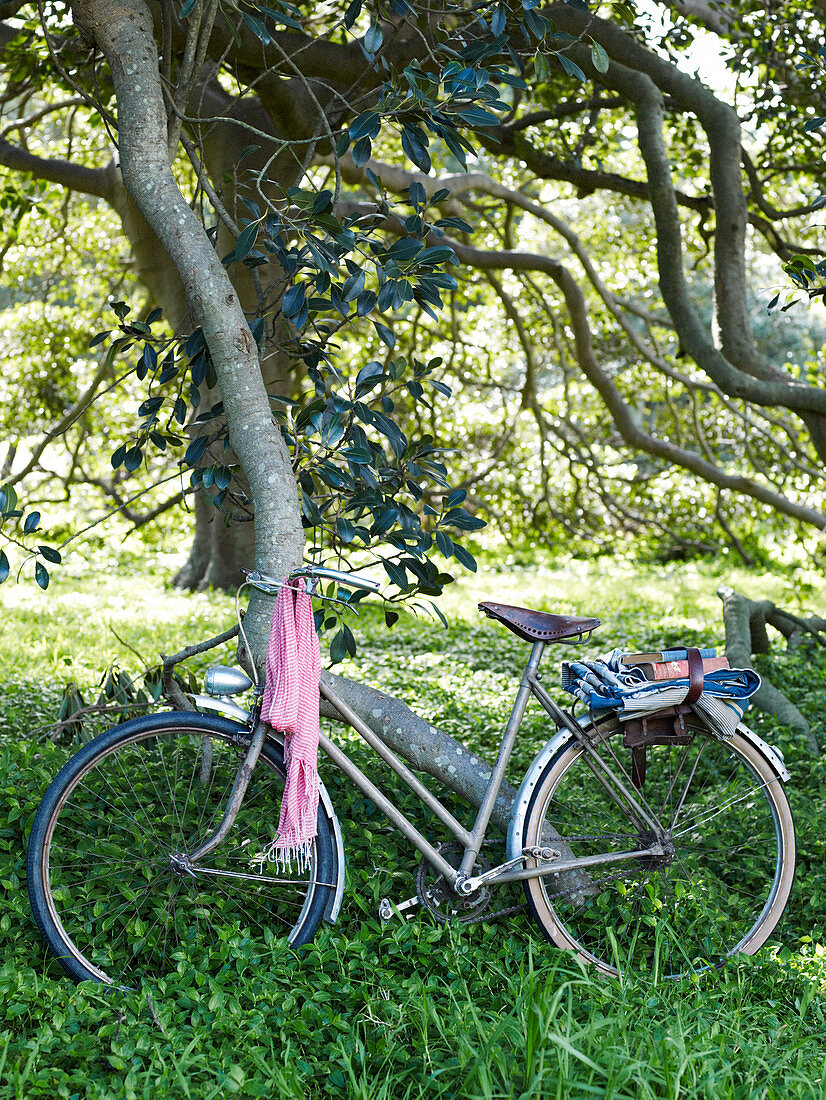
461 879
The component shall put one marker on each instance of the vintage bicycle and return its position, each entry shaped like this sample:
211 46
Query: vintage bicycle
666 846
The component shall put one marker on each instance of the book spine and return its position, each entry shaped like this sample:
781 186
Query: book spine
682 654
666 655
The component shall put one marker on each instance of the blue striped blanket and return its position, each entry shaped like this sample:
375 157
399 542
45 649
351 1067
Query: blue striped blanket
606 683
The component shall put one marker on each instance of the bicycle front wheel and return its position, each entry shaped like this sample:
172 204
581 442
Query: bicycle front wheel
721 890
113 901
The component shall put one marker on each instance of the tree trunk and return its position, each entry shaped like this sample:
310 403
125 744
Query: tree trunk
218 551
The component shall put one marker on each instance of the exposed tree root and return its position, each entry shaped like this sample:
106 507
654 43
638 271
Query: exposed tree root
746 623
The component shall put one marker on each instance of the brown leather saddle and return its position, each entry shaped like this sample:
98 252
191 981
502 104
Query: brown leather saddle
539 626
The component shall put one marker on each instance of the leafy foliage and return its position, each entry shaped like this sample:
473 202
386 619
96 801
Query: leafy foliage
411 1009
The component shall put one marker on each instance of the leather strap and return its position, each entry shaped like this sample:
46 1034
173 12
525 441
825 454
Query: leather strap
638 766
696 676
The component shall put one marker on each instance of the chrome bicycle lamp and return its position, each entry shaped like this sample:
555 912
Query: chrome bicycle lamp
223 680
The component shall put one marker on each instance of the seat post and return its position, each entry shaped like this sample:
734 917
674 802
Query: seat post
537 649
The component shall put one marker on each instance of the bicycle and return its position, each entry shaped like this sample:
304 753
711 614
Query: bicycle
146 852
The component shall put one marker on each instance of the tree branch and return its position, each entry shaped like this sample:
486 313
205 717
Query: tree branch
75 177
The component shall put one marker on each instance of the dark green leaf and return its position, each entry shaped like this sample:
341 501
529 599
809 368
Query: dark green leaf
414 144
459 518
258 29
346 529
438 255
349 640
359 455
365 303
338 648
373 39
385 335
133 458
32 522
150 406
246 240
294 300
444 542
4 566
361 151
478 117
397 574
571 67
365 125
454 223
437 611
464 558
195 450
41 575
353 286
50 554
417 194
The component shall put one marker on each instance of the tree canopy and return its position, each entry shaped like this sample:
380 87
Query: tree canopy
347 211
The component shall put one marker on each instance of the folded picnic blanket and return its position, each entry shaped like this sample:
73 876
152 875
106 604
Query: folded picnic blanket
607 683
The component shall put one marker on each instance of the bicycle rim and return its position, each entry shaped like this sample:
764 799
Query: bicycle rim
107 892
721 891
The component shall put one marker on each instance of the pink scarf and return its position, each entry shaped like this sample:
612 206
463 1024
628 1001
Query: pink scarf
291 704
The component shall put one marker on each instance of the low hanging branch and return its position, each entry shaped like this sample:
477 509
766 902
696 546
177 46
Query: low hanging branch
746 623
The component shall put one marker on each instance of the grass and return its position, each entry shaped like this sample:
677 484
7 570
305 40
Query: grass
407 1009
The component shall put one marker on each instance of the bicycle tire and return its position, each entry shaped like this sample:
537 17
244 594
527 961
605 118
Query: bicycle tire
722 891
103 890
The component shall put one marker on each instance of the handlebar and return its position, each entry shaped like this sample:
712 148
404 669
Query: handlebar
313 573
321 572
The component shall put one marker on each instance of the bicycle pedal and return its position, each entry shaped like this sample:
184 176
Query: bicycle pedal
386 907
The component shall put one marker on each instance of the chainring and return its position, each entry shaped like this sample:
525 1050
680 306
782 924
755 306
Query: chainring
436 895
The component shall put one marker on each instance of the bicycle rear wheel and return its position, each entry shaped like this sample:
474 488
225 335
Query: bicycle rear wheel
105 888
721 891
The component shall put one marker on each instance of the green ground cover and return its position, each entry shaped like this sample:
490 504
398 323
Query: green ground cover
408 1010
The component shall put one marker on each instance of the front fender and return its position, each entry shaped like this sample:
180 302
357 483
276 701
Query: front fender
516 828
